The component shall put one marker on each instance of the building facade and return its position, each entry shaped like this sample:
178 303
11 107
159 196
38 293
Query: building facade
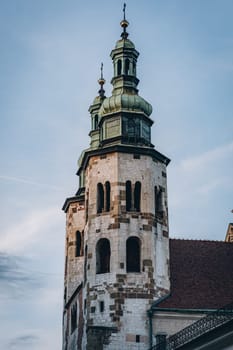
117 244
127 285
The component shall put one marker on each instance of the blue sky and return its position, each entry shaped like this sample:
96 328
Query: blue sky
49 65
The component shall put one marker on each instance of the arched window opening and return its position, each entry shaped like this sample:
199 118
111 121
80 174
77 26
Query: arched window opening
85 265
103 254
73 317
100 198
86 205
158 193
137 196
133 254
119 67
101 306
96 122
128 196
134 68
78 244
127 62
107 195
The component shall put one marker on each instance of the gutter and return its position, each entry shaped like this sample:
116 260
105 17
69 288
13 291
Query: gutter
150 313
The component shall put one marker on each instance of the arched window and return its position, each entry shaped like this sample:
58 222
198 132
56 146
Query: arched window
134 68
103 253
158 201
78 244
107 195
128 196
96 122
137 196
73 317
100 198
85 265
133 254
119 67
127 62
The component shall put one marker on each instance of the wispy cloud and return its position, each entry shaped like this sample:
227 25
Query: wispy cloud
28 182
23 341
21 235
204 159
210 186
201 176
15 278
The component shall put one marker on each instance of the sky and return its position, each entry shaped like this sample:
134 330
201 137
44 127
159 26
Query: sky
50 59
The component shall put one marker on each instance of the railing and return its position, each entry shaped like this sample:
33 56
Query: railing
198 328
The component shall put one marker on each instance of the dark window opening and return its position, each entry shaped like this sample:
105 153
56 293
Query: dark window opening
134 68
101 306
127 62
78 244
73 317
85 265
100 198
131 128
86 204
128 196
161 341
133 254
158 193
66 261
103 254
119 66
137 338
137 195
96 122
136 156
107 193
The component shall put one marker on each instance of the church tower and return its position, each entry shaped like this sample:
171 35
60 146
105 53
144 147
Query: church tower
117 245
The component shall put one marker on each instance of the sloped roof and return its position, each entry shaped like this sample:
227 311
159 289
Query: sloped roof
201 274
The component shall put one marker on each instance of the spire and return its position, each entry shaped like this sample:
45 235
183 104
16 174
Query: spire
124 24
101 82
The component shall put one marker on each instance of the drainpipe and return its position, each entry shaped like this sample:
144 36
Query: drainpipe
150 313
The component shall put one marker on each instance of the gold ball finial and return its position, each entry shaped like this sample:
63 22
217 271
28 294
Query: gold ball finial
124 24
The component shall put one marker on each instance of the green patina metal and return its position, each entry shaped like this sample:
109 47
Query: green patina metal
124 117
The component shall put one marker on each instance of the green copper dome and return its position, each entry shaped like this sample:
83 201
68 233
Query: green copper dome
124 43
127 103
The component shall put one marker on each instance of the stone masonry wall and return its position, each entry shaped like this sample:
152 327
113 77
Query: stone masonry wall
74 265
126 296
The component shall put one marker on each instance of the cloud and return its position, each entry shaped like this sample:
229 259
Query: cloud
195 180
15 279
23 341
204 159
21 235
27 181
210 186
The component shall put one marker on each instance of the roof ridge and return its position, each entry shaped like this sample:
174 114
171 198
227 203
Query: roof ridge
197 240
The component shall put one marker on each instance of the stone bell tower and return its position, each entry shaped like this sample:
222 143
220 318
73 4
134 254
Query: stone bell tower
117 246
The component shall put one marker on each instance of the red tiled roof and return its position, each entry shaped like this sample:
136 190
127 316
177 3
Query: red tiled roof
201 274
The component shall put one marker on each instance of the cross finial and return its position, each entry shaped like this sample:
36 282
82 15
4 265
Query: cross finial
101 81
124 10
124 24
101 69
